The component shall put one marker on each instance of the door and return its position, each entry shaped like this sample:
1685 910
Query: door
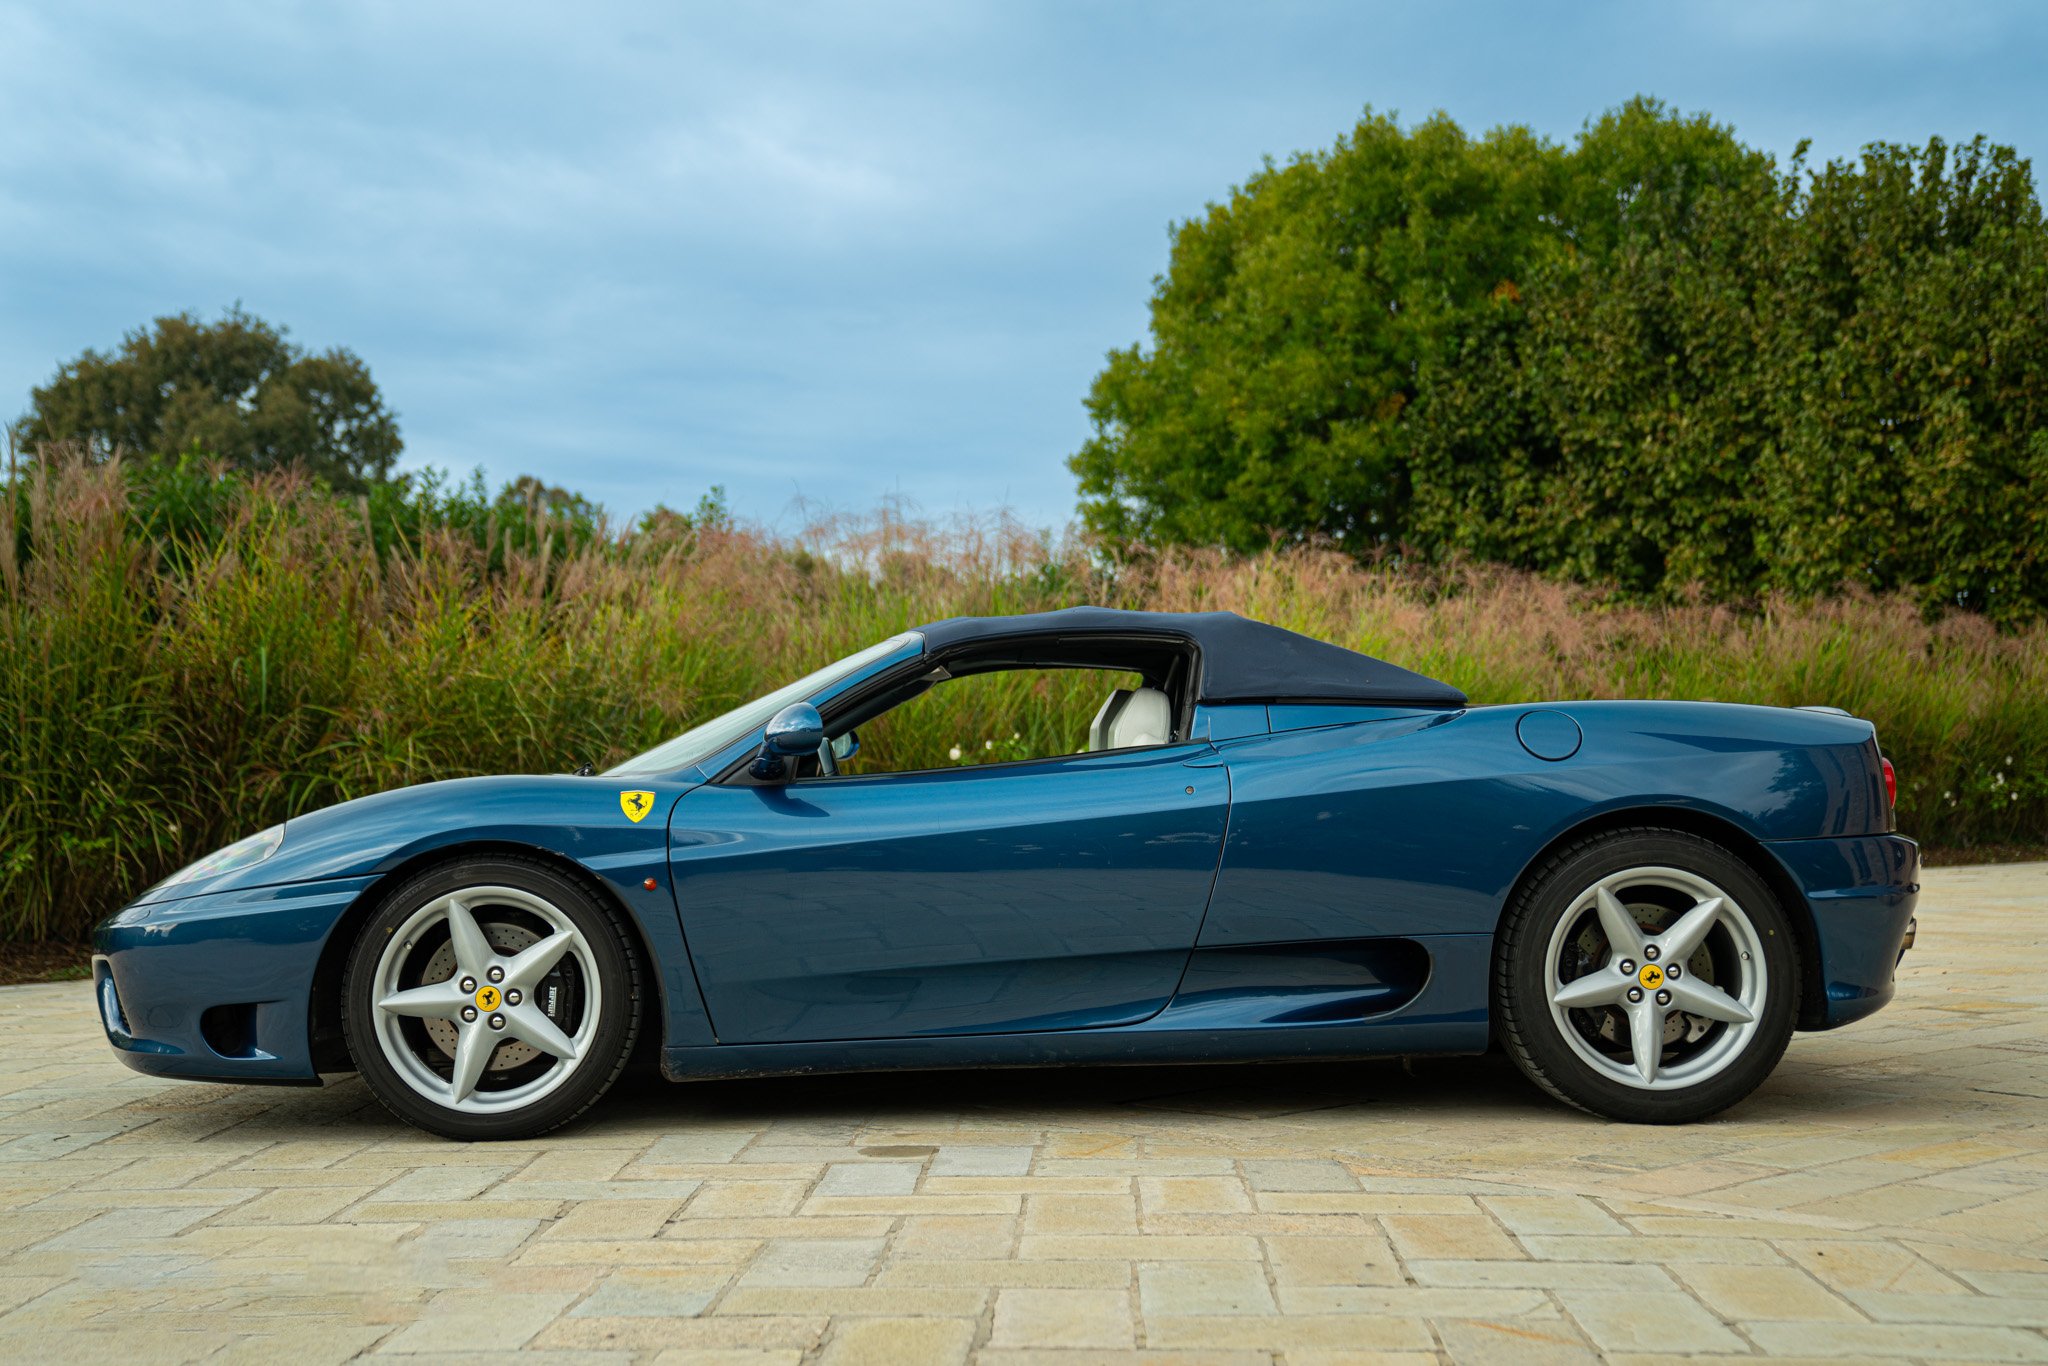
1054 894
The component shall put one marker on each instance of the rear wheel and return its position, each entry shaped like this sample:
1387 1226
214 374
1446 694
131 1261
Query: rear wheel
1648 976
491 998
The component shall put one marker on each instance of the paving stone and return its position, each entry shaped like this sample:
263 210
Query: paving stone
1865 1340
870 1178
1885 1197
1450 1237
1063 1318
1521 1343
768 1333
653 1294
1192 1195
994 1159
821 1261
1170 1288
1765 1292
951 1237
1647 1321
1292 1333
746 1199
608 1220
468 1321
1431 1302
886 1301
1007 1273
888 1342
1315 1260
1550 1214
1299 1175
1062 1213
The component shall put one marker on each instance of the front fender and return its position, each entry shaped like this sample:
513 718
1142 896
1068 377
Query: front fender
357 846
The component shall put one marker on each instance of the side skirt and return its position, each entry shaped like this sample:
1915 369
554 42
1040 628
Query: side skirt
1448 1016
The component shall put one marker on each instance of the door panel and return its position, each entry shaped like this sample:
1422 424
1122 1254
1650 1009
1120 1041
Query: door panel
1058 894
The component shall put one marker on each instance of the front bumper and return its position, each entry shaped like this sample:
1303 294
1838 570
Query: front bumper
219 986
1862 892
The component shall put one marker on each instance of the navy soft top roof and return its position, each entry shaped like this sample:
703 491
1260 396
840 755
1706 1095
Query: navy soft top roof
1242 660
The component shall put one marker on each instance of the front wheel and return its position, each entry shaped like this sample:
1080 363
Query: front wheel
491 998
1647 976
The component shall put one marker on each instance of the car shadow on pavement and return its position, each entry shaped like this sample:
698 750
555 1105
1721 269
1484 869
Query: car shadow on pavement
1429 1091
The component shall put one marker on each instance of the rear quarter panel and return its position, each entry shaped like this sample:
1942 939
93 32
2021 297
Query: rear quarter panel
1421 823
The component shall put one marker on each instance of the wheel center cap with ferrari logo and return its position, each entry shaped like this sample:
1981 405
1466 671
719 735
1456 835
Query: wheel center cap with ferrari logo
487 998
1651 977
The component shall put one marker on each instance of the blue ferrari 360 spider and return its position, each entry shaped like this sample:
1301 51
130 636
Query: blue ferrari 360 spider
1264 847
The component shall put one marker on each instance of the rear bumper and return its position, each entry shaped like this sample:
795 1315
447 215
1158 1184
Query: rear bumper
218 987
1862 893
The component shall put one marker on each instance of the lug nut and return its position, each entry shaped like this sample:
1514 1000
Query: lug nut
1672 972
469 986
496 974
1635 994
513 998
469 1014
1650 951
1663 998
1628 967
497 1021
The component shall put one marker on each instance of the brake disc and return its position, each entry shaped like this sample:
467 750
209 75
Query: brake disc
506 939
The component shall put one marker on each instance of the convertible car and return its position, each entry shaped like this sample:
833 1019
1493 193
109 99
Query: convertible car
1264 847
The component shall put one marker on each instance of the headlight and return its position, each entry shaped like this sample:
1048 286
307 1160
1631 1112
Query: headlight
241 854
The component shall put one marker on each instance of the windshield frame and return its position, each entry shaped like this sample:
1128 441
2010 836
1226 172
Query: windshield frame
712 739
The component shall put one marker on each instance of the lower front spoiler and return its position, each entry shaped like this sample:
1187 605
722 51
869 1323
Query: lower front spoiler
218 987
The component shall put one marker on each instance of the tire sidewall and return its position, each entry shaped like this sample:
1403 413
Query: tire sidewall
618 1012
1526 1004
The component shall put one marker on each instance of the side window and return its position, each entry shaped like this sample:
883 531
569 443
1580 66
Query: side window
1006 717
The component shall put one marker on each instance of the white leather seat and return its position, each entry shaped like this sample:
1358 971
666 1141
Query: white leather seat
1130 718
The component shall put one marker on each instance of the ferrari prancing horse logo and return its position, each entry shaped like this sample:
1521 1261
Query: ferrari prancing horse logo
636 805
487 998
1651 976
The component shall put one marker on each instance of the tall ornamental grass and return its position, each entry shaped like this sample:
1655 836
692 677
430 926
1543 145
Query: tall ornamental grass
187 657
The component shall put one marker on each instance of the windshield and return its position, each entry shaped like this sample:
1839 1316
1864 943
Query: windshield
701 742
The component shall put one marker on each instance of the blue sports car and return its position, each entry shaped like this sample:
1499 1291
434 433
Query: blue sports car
1263 847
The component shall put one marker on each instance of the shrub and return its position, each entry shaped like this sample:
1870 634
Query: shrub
1650 360
187 656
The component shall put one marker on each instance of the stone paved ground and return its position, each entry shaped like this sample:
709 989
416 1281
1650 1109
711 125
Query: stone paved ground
1886 1195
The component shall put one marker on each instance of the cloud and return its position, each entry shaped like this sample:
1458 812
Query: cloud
834 250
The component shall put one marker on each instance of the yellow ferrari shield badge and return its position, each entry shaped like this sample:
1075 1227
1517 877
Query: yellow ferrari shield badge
636 805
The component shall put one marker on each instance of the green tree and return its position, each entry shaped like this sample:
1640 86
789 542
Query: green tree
1908 344
1291 332
1604 424
235 389
1653 360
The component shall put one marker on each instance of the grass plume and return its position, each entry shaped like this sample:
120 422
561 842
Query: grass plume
186 657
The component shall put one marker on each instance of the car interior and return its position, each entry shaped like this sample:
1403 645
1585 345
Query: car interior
1145 686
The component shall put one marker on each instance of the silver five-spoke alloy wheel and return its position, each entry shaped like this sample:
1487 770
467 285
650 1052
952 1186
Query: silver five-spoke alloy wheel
494 1013
1653 992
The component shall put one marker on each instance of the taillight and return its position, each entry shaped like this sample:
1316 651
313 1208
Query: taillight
1891 783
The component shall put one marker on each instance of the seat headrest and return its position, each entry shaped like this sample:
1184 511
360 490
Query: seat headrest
1132 717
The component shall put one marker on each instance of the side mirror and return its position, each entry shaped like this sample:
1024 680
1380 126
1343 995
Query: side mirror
794 731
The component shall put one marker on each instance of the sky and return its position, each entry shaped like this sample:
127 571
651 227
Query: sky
821 255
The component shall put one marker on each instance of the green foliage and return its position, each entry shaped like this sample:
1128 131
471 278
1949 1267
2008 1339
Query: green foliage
1651 360
188 655
235 389
1289 332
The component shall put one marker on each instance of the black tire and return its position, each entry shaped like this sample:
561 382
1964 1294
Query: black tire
599 1062
1522 983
